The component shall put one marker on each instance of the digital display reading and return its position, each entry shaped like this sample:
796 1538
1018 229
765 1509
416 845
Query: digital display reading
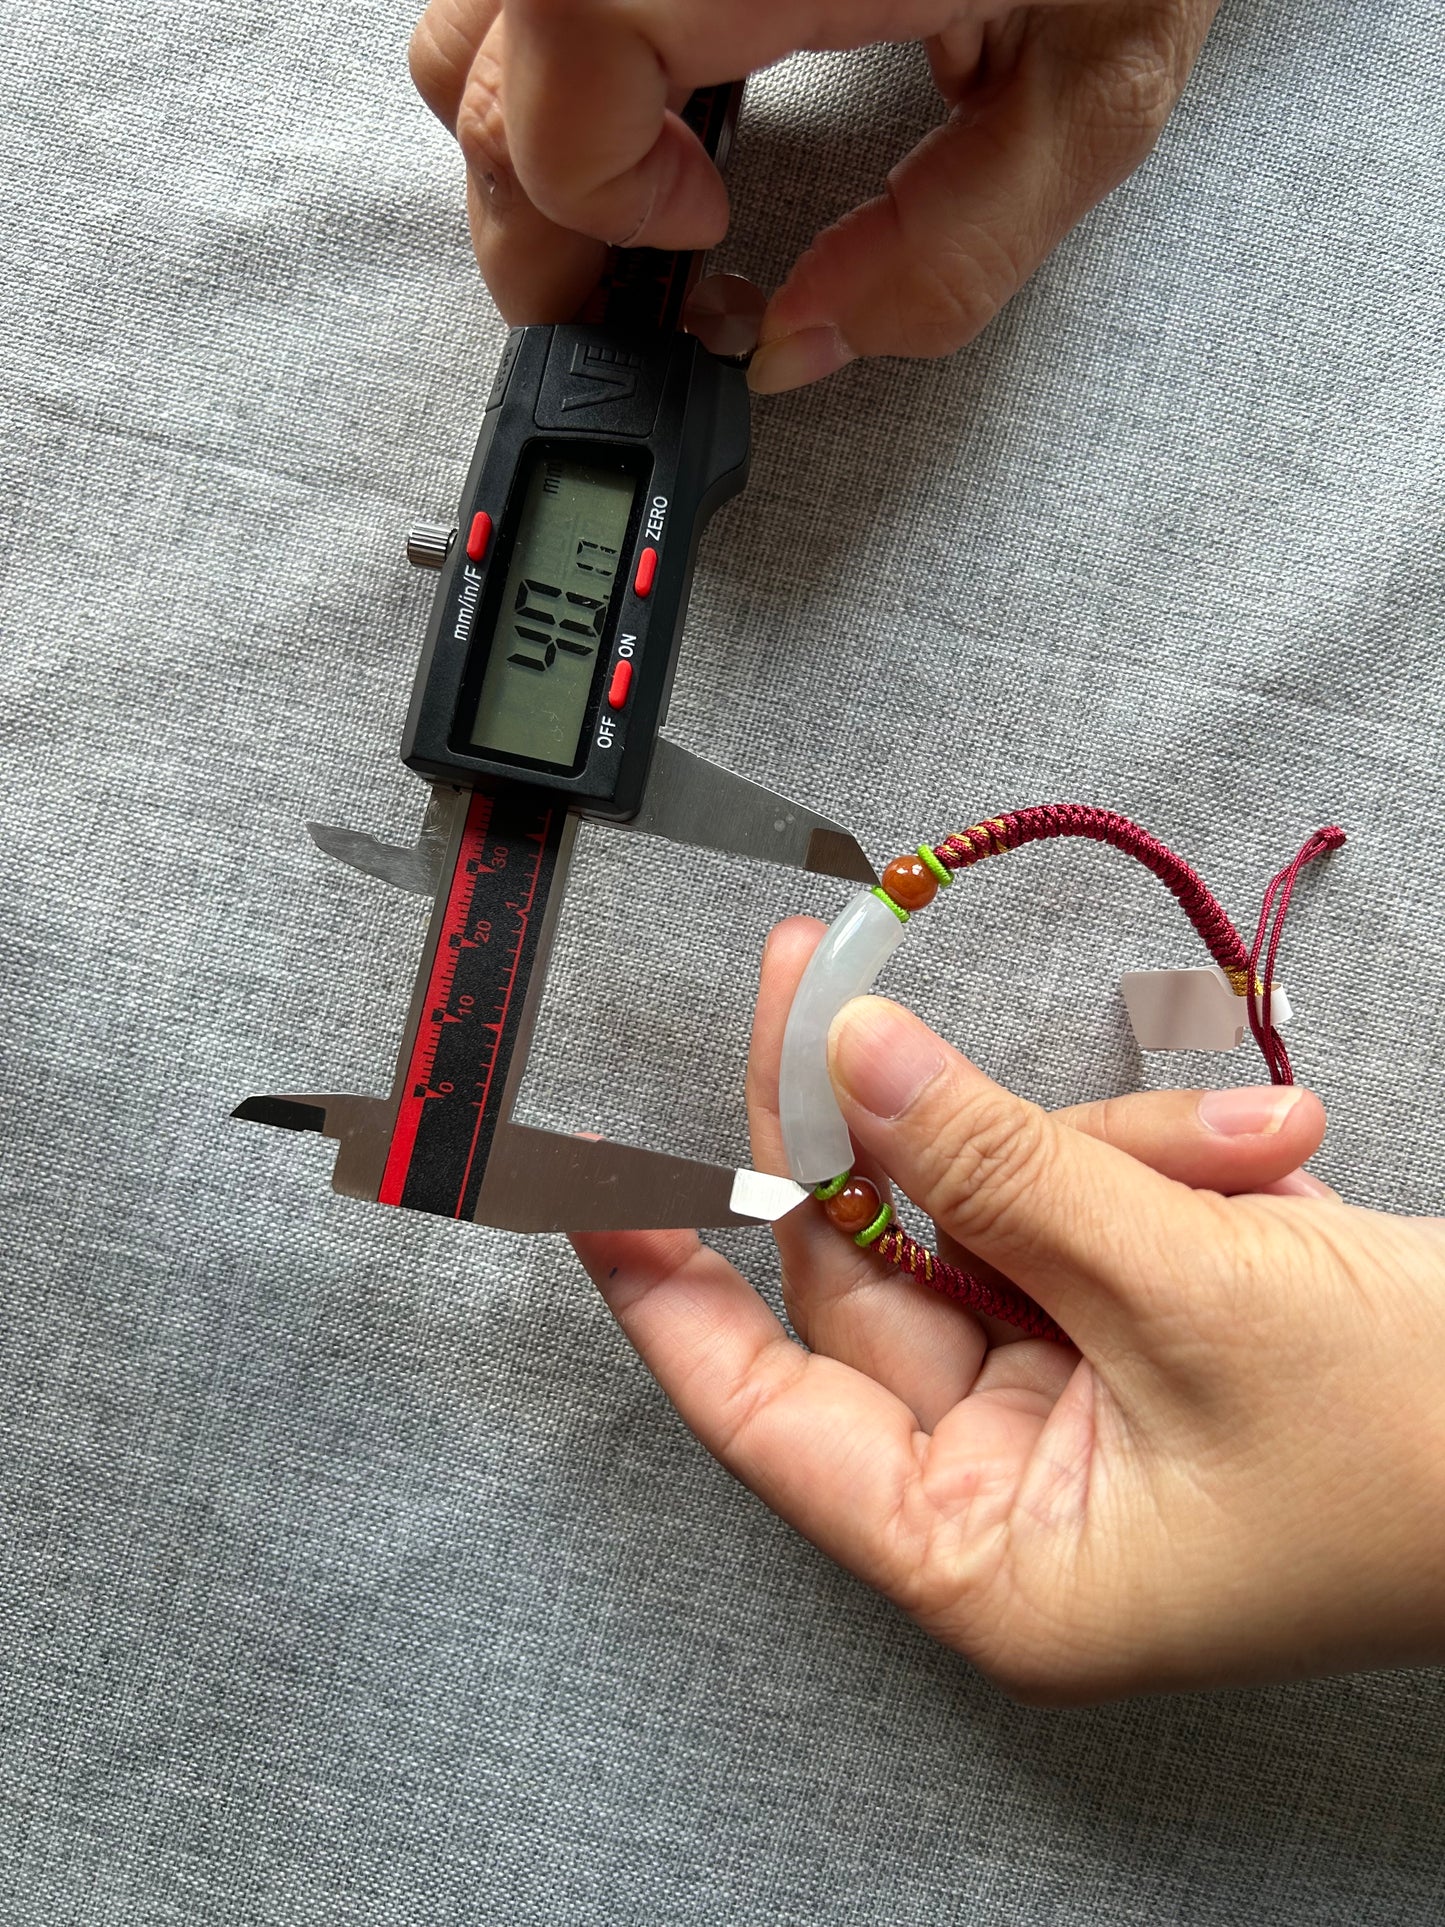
544 645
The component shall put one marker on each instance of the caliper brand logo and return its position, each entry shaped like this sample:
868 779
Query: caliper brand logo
604 373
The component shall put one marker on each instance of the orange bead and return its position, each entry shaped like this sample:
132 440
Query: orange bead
855 1206
910 882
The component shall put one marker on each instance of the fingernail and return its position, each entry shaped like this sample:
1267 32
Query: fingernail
792 361
881 1057
1302 1184
1256 1111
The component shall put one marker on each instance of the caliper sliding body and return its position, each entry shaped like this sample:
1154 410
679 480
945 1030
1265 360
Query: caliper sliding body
605 448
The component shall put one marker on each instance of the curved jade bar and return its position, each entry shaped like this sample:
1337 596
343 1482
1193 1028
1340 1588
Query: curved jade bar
844 965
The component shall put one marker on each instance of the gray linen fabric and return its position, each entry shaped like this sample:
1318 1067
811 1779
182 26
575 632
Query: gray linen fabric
355 1572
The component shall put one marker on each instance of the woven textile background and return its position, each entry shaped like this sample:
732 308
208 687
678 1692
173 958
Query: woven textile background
354 1571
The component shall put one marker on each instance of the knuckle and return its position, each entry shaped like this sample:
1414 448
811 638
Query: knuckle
745 1409
442 47
1110 1121
430 68
481 128
911 289
953 296
1144 85
1128 96
1005 1152
953 287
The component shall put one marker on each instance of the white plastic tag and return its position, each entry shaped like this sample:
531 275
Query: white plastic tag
1191 1009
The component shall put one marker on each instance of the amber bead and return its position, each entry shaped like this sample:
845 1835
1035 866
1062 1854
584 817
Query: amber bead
855 1207
910 882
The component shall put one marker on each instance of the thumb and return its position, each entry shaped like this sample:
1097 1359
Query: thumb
1036 137
1084 1228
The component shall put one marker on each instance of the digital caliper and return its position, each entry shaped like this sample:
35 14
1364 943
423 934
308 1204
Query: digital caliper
605 448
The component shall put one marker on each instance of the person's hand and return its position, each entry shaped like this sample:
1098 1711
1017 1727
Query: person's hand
566 112
1239 1475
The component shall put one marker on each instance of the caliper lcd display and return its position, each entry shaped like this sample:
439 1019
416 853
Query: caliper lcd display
552 619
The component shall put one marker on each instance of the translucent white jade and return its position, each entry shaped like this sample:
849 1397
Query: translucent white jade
844 965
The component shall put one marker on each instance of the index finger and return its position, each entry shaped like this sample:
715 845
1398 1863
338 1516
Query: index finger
588 85
829 1450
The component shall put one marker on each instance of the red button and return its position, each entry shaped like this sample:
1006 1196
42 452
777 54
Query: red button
620 684
646 571
480 536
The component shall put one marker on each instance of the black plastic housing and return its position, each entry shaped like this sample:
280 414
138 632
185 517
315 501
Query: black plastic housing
666 409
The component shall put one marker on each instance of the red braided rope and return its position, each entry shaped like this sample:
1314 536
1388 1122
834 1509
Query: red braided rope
1002 1300
1260 995
1044 820
1198 902
999 834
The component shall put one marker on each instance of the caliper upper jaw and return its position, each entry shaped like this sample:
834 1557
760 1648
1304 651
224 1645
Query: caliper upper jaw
419 867
690 800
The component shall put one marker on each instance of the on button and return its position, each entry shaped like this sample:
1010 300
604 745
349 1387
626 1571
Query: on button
620 684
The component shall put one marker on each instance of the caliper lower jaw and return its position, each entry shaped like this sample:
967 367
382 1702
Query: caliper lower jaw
359 1126
546 1180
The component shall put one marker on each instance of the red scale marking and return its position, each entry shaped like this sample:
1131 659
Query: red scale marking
444 965
524 917
452 938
